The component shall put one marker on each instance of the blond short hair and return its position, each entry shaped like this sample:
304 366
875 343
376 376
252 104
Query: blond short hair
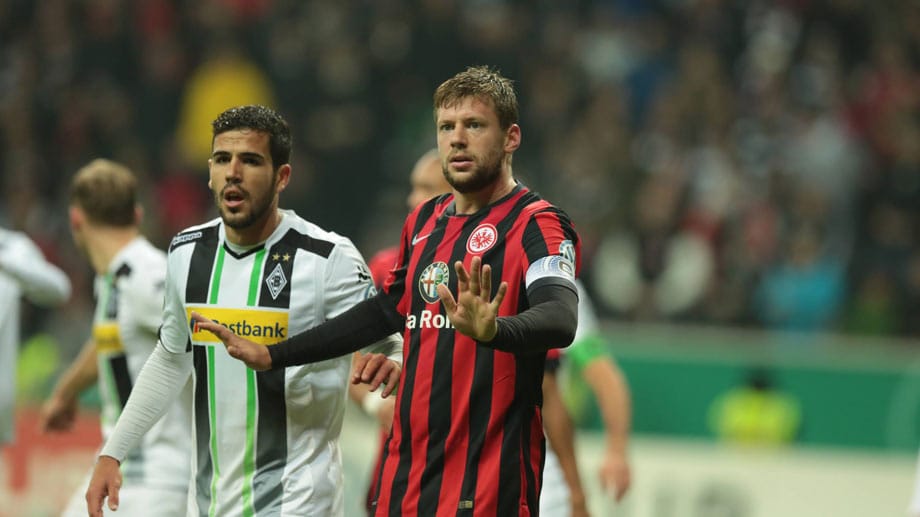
106 191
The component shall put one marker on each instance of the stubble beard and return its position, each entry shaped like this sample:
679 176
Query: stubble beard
259 206
479 178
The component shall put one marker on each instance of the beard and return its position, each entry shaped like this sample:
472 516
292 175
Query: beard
241 218
482 175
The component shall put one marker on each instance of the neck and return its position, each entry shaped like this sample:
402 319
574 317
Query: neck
257 232
472 202
102 244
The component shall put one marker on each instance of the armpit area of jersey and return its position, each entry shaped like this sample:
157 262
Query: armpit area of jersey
550 322
367 322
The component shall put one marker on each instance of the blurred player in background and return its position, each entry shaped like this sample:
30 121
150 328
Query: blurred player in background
24 271
266 442
563 493
130 277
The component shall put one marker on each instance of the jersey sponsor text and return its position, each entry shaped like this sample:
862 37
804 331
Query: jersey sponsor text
428 320
261 326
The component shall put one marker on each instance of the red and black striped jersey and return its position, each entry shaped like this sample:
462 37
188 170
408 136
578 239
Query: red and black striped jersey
467 437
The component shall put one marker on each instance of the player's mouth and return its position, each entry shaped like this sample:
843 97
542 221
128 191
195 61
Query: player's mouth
233 197
461 162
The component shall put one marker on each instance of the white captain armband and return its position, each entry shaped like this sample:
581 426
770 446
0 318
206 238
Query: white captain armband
556 267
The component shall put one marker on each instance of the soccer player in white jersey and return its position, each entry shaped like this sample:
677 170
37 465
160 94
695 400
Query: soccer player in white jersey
130 275
267 442
23 272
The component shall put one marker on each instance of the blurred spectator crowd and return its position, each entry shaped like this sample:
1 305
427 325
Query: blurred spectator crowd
750 163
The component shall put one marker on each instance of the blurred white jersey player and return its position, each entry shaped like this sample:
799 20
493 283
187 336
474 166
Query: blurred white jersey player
128 288
562 493
23 272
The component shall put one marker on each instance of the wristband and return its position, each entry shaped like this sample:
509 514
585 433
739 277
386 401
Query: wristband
371 403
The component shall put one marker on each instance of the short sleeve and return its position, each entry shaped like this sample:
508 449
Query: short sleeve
347 279
551 247
175 336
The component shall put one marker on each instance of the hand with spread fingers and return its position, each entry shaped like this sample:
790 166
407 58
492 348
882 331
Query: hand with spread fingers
375 369
472 313
255 356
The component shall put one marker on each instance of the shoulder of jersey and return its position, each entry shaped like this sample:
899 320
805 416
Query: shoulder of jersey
194 234
310 237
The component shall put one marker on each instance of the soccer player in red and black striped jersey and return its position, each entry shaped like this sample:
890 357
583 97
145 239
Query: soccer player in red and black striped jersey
467 437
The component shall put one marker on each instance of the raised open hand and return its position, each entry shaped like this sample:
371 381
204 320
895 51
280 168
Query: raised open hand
473 313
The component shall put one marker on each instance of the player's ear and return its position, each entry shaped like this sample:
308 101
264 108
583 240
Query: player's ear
209 174
284 177
138 214
76 217
512 138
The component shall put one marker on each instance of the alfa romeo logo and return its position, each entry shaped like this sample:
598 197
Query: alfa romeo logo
434 274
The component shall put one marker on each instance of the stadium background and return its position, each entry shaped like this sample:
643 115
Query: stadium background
746 176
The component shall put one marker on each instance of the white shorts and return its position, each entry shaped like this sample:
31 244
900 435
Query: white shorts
137 501
554 497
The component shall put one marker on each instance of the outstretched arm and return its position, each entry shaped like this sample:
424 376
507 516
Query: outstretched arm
365 323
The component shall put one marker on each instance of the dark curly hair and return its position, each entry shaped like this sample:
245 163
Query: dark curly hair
262 119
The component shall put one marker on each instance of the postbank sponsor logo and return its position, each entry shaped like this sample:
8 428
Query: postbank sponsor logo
107 338
258 325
